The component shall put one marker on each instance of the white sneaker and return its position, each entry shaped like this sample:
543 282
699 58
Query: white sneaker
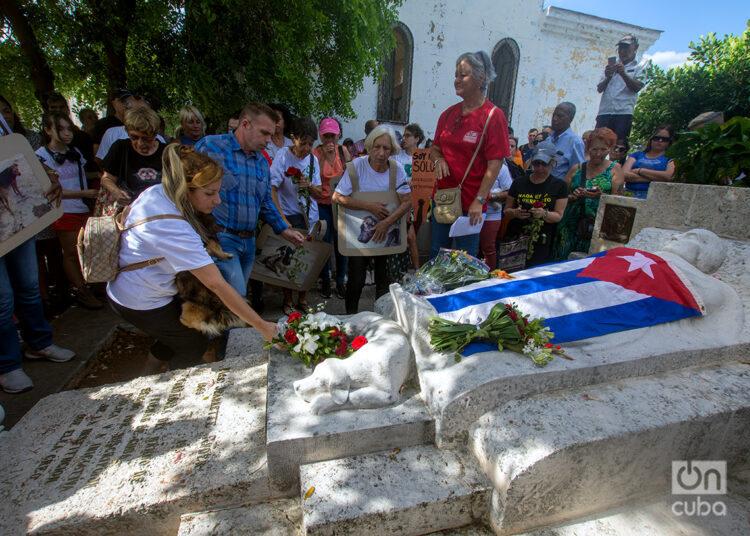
15 381
52 353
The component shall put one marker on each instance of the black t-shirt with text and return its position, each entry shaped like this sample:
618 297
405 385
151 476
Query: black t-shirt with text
134 171
526 193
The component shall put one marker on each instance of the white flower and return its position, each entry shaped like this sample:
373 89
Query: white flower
309 344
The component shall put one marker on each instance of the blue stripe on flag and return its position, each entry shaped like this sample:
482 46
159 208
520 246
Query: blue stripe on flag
455 302
623 317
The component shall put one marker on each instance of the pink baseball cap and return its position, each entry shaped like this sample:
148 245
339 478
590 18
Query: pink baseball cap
329 126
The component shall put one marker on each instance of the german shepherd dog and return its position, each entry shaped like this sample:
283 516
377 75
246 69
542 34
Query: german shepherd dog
201 308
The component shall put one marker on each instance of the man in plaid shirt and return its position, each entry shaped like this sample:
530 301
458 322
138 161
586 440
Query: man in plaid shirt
245 191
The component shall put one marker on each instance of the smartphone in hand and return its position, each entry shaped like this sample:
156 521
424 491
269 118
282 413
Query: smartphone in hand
612 60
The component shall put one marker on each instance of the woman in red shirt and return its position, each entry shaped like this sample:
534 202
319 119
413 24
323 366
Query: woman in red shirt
458 132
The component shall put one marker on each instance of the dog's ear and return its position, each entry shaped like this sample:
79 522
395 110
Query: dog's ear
337 382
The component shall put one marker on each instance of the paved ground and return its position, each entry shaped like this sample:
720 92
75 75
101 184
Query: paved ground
85 332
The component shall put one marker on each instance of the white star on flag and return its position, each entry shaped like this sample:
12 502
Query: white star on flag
639 261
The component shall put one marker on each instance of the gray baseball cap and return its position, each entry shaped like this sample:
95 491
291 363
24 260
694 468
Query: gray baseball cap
544 151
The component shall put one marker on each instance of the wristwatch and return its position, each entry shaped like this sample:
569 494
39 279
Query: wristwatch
481 199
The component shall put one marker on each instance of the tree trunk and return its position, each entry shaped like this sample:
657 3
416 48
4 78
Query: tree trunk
41 74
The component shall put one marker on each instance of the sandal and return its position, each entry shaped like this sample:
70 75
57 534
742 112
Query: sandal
288 308
304 307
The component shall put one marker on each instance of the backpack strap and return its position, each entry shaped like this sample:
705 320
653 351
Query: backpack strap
353 176
392 181
120 224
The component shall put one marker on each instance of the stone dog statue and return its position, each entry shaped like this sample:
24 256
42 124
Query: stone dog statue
370 378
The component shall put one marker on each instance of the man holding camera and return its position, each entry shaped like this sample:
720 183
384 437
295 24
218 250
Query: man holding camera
619 87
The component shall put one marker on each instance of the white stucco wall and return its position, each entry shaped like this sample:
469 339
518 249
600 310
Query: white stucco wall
562 57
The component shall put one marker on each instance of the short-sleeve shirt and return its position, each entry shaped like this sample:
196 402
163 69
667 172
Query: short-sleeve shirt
371 180
570 151
286 190
68 175
502 183
405 160
618 98
526 193
657 164
457 136
175 240
134 171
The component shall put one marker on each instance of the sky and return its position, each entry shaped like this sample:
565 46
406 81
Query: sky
682 21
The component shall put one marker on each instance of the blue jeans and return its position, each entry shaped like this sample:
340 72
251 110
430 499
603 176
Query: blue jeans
237 269
440 238
19 291
326 213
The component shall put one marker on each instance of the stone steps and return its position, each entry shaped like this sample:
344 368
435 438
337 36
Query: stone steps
565 455
417 490
279 518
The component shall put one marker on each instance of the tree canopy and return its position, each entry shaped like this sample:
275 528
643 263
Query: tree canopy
311 55
717 78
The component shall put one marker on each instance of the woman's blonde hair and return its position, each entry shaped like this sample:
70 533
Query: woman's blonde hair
186 114
142 119
182 169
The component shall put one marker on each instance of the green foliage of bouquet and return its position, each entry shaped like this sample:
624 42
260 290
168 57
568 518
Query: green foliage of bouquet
506 326
448 270
314 337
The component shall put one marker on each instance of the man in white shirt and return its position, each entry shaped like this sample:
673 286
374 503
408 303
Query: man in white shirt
619 88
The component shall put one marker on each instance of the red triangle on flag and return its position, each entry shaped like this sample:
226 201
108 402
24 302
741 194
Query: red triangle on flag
642 272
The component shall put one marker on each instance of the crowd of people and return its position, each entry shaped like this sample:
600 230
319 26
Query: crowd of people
545 192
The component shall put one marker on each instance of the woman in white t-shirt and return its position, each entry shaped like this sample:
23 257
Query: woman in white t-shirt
146 297
373 173
295 170
68 162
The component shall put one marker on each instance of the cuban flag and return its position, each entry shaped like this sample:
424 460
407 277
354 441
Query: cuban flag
616 290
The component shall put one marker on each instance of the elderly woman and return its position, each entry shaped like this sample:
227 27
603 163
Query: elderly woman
643 167
134 164
586 184
146 297
192 126
373 175
540 196
471 140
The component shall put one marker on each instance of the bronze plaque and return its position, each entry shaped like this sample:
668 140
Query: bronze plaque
617 223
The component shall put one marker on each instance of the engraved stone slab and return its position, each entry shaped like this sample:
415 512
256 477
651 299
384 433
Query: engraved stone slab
246 342
296 436
131 458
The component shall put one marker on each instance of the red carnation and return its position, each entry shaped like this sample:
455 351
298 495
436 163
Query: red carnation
290 337
358 342
342 348
292 172
308 238
538 204
293 317
335 333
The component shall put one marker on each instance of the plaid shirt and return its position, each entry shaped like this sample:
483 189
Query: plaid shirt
246 187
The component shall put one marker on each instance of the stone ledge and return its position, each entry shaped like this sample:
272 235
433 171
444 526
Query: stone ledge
414 491
561 456
278 518
295 436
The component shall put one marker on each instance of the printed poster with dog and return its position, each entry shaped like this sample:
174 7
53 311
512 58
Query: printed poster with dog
24 209
357 228
279 263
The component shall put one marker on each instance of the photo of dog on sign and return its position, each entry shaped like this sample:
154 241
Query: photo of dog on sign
22 199
281 260
360 229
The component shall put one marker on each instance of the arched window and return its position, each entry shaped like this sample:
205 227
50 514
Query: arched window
505 58
394 91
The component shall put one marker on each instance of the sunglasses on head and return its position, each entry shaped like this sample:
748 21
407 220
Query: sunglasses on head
661 138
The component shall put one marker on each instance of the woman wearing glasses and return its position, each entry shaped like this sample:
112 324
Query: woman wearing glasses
644 167
134 164
619 153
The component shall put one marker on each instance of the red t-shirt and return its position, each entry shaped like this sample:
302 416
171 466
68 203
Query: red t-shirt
457 136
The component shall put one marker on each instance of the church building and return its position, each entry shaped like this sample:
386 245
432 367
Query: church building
542 56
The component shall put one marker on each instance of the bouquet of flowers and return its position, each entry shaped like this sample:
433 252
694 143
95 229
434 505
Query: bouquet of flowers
314 337
533 229
295 175
506 326
448 270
